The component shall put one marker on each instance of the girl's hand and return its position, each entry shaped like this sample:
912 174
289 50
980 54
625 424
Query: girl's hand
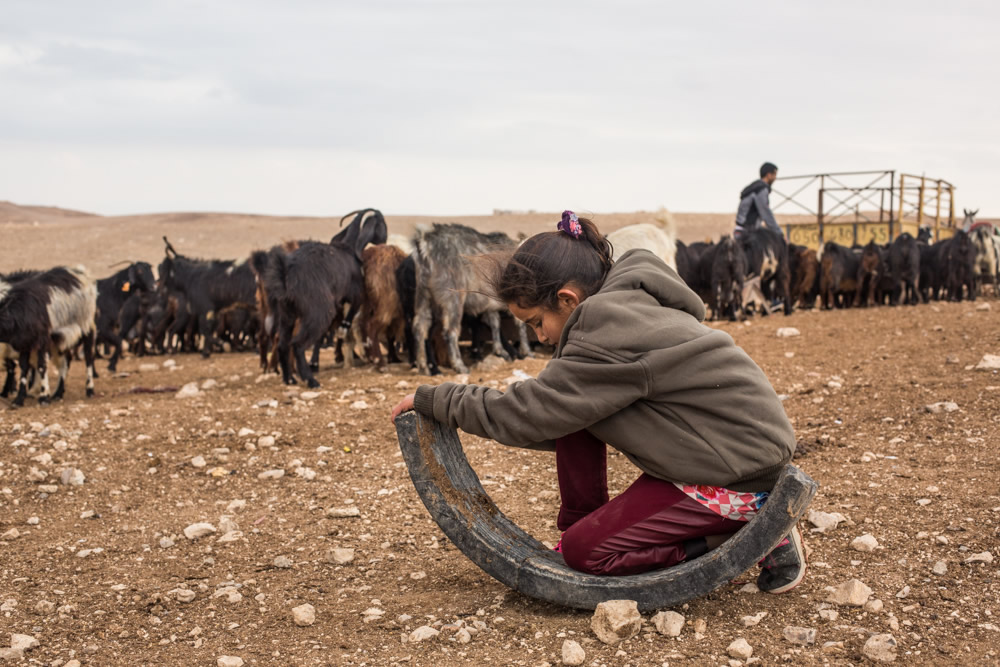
403 406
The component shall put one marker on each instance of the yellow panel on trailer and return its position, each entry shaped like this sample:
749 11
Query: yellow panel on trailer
844 233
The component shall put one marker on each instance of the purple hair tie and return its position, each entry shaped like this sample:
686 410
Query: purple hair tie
570 224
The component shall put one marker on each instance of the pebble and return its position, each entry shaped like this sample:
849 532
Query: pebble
866 542
343 512
198 462
923 502
44 607
940 568
984 557
72 477
148 368
829 614
277 473
266 441
23 642
423 633
669 623
11 654
572 653
874 606
853 593
616 620
739 649
372 614
359 405
210 383
182 594
166 543
229 661
340 556
196 530
304 615
230 593
983 306
283 562
989 362
88 514
880 648
788 332
33 520
309 395
750 621
942 406
797 635
190 390
824 521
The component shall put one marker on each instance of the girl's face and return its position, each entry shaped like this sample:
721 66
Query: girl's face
548 324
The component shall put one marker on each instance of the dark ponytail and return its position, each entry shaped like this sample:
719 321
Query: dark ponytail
547 262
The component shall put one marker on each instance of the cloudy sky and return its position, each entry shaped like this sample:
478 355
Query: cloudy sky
316 107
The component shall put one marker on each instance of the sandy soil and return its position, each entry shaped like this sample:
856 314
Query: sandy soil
102 572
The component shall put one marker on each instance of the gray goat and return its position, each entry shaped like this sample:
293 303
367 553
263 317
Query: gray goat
448 286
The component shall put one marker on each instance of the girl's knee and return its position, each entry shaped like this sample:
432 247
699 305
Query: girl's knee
578 552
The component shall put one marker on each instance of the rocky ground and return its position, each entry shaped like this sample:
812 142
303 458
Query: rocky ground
254 522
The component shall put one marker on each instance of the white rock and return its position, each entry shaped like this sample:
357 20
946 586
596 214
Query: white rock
198 462
265 441
343 512
83 553
983 306
829 614
304 615
23 642
182 594
788 332
616 620
11 534
924 502
283 562
166 543
231 594
739 649
244 432
196 530
866 542
360 405
824 521
669 623
307 474
340 556
423 633
372 614
190 390
989 362
853 593
231 536
229 661
750 621
797 635
940 568
148 368
874 606
880 648
235 505
984 557
309 395
942 406
572 653
277 473
72 477
227 524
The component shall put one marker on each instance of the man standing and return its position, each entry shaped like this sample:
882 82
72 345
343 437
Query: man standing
754 205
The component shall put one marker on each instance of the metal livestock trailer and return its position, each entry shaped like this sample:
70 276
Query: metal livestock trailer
857 206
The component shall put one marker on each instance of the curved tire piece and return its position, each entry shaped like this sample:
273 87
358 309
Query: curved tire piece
452 493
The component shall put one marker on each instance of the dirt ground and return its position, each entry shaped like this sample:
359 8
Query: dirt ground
102 572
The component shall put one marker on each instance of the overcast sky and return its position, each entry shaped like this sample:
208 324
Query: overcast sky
319 107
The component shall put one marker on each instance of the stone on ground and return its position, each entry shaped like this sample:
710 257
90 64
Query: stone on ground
880 648
740 649
423 633
616 620
853 593
229 661
23 642
669 623
572 653
196 530
866 542
304 615
797 635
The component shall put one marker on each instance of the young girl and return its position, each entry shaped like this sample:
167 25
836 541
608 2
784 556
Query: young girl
633 368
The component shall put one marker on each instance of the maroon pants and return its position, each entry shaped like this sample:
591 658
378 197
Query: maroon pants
651 525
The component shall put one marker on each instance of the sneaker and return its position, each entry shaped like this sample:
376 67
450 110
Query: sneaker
785 567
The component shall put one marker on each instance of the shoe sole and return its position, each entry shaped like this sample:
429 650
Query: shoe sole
796 539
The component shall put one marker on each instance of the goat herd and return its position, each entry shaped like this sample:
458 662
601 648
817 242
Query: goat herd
419 297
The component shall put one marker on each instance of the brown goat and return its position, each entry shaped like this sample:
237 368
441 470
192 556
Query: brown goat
383 309
806 279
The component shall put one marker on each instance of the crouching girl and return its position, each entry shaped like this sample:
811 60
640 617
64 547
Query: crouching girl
634 368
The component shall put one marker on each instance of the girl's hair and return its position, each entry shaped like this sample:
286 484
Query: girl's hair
547 262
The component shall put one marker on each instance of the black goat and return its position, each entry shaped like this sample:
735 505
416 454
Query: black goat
767 257
904 269
313 285
46 315
132 284
208 287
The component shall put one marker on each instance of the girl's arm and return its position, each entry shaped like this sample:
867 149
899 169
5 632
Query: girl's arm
569 395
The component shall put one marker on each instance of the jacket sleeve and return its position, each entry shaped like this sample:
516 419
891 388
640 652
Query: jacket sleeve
743 210
572 393
764 208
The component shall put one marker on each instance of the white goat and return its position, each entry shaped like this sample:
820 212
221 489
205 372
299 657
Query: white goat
660 238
